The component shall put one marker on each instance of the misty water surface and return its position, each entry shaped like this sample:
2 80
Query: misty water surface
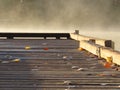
99 18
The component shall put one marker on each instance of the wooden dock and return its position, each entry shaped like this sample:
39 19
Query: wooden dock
42 64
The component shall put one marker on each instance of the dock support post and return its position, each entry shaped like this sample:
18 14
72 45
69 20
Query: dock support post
76 31
45 37
57 37
98 52
10 37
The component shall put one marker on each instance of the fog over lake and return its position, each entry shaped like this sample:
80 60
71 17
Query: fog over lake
98 18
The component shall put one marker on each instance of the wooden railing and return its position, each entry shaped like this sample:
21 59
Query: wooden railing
43 35
100 47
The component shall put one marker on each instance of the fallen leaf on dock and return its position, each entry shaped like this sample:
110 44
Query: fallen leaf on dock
107 65
64 57
45 48
27 47
82 69
67 57
103 84
75 67
67 82
16 60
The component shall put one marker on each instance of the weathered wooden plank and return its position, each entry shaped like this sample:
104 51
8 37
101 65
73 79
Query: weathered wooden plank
40 69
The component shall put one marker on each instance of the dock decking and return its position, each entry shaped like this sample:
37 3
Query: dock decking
52 65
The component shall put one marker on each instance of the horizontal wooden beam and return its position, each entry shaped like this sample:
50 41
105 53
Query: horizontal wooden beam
57 35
